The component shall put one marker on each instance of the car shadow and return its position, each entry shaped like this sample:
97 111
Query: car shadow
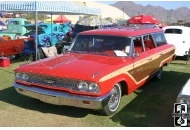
5 70
10 95
152 104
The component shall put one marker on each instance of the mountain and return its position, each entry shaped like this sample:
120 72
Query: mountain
162 14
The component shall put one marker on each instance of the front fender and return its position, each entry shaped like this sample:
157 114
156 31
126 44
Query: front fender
106 86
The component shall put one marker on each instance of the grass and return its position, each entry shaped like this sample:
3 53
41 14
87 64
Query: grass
151 105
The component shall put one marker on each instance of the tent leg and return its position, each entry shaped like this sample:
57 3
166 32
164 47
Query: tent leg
51 29
36 36
100 21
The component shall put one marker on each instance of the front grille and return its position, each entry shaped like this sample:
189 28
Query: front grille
57 82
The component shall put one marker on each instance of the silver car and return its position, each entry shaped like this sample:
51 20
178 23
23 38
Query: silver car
184 97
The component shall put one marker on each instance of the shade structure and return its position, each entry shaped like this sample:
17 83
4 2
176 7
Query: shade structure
61 19
47 7
93 21
143 19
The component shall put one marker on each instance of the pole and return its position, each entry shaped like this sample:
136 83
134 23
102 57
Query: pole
51 29
123 13
36 36
100 21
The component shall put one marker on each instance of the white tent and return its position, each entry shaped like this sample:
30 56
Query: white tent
47 7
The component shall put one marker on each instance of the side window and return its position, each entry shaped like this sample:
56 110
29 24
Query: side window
148 42
173 31
27 22
55 29
159 39
60 29
138 47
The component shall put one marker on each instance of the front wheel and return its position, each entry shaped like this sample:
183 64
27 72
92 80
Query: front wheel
114 101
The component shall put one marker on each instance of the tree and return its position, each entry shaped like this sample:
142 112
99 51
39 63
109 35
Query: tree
109 19
33 16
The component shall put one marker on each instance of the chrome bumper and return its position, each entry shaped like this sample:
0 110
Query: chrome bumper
63 98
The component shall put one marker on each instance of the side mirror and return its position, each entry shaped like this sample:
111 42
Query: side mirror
136 54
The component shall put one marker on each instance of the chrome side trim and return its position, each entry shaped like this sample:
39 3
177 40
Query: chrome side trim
62 98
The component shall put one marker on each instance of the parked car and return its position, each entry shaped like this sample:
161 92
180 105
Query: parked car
10 48
179 36
187 24
100 66
48 34
15 28
184 97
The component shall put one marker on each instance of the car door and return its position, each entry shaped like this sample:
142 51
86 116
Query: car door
145 62
139 60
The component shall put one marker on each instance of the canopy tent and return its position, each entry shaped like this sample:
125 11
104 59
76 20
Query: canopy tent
58 19
93 21
46 7
61 19
143 19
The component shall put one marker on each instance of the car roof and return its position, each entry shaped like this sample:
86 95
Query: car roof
121 31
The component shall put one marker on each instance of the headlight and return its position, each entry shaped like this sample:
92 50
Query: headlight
93 87
24 77
18 75
83 86
184 100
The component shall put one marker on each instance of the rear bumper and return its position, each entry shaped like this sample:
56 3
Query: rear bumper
63 98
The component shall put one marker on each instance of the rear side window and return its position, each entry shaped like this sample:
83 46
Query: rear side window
174 31
159 39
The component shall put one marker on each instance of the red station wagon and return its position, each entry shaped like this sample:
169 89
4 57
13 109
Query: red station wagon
100 66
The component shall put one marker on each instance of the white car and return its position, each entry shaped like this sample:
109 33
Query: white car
179 36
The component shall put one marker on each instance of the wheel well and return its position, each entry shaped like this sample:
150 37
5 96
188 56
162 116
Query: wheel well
166 64
124 87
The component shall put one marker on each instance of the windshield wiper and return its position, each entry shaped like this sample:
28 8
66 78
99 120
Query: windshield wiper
79 52
100 53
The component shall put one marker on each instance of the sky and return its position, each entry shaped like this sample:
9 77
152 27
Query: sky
164 4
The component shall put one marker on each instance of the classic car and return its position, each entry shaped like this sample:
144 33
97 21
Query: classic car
13 47
179 36
14 27
184 97
48 34
100 66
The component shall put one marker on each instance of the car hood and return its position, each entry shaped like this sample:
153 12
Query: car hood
32 27
71 65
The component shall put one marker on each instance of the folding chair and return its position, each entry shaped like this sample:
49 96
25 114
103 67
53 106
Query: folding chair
29 51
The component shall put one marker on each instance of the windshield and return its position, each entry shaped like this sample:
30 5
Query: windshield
108 45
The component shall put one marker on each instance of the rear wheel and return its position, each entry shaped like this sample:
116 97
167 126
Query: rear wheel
158 75
11 57
114 101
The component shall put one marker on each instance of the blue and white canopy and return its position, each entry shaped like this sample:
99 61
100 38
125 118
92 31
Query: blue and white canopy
47 7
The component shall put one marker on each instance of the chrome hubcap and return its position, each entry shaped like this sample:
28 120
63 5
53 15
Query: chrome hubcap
114 99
